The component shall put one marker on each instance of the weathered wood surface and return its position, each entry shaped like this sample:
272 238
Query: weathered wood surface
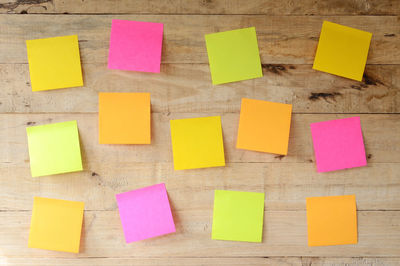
288 34
281 39
268 7
188 88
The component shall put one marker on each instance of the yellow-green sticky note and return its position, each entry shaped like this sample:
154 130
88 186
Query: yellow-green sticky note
56 224
342 51
197 142
238 216
54 63
54 148
233 55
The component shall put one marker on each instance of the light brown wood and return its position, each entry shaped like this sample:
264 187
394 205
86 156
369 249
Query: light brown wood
268 7
284 234
281 39
188 88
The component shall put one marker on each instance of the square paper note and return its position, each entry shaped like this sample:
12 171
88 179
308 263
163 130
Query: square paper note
332 220
338 144
54 148
264 126
197 143
145 213
54 63
342 51
233 55
238 216
135 46
124 118
56 224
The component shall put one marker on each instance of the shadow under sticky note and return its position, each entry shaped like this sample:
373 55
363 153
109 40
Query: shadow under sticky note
332 220
145 213
54 148
233 55
124 118
342 51
197 143
56 224
54 63
238 216
338 144
264 126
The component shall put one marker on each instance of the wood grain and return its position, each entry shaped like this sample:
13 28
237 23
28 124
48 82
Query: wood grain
284 234
188 88
281 39
267 7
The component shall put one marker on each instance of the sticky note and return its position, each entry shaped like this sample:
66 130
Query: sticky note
56 224
233 55
124 118
332 220
342 51
238 216
135 46
338 144
54 63
145 213
54 148
197 143
264 126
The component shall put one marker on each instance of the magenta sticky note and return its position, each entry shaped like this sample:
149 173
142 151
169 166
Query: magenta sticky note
135 45
145 213
338 144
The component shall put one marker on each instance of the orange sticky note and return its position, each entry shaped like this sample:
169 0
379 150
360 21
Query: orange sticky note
332 220
264 126
124 118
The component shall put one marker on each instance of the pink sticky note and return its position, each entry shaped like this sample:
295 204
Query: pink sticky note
338 144
135 45
145 213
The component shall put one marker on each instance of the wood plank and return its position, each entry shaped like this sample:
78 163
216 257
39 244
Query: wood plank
380 132
267 7
188 88
284 234
281 39
273 261
286 185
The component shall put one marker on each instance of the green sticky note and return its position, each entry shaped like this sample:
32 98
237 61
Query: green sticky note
238 216
233 55
54 148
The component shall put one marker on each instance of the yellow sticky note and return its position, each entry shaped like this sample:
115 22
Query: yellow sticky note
56 224
54 63
54 148
124 118
197 143
264 126
332 220
238 216
342 51
233 55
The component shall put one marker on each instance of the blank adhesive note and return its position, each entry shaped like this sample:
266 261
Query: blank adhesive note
238 216
264 126
338 144
145 213
342 51
56 224
54 63
233 55
332 220
197 142
124 118
135 45
54 148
